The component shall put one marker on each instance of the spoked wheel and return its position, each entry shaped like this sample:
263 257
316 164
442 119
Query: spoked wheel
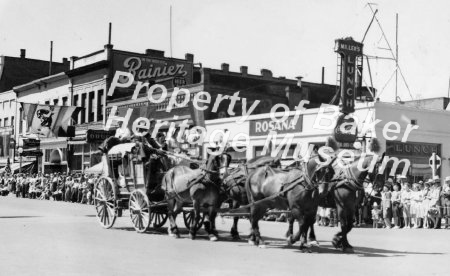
158 219
140 211
105 202
188 216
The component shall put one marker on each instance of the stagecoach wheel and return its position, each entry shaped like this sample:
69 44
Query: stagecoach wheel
105 202
140 211
188 216
158 219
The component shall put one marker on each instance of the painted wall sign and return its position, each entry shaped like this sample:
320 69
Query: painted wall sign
166 71
264 126
349 50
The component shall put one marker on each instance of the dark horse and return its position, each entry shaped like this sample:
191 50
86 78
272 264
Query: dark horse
234 184
201 187
344 189
293 189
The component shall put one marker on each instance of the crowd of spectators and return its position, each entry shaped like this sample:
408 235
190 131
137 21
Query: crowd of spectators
77 188
400 205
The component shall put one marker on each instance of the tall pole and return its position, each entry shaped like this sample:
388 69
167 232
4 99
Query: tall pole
109 33
51 59
396 55
170 31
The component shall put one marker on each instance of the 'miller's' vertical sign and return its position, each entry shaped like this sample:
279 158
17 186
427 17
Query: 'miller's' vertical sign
349 50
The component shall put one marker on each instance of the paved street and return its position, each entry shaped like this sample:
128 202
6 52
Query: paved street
56 238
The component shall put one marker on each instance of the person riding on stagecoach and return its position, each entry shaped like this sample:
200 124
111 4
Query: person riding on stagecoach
122 135
154 160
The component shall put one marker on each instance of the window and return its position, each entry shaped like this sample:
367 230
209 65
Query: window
100 101
64 101
83 112
90 107
47 102
76 103
6 122
12 120
163 105
55 102
1 123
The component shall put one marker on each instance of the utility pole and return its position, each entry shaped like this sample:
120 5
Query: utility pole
396 55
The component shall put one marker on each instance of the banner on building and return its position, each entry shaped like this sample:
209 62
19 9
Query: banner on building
197 115
49 120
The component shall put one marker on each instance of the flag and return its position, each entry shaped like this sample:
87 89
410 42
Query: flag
197 116
48 120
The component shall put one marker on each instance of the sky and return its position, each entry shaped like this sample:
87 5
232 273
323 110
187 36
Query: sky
291 38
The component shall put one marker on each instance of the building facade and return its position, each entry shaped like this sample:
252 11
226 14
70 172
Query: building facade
423 131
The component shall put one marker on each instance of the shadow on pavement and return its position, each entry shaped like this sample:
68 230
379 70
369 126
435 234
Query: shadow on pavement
14 217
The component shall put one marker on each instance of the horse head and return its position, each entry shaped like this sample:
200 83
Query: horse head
219 163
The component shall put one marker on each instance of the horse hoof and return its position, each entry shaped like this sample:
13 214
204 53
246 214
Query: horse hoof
236 238
251 242
213 238
337 243
289 241
348 250
192 237
314 243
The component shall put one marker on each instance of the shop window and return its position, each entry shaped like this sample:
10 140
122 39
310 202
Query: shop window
258 151
77 163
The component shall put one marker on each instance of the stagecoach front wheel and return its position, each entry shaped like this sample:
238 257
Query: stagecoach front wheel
188 216
159 219
105 202
140 211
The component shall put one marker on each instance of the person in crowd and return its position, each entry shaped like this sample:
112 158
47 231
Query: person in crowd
386 196
445 202
406 204
434 210
396 209
376 215
425 204
68 189
75 187
416 201
122 135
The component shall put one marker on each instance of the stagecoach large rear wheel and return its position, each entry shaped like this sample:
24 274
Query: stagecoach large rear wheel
140 211
105 202
188 216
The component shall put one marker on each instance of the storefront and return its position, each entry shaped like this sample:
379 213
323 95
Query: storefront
420 133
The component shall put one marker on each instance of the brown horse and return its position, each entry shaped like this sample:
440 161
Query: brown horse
234 184
341 192
201 187
269 188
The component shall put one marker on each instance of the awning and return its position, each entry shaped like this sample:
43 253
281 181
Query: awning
100 168
16 166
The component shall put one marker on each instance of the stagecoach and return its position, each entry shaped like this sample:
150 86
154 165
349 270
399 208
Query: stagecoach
124 188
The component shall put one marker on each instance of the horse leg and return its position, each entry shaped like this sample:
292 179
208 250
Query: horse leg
213 234
256 214
172 214
195 220
337 239
290 232
312 235
234 229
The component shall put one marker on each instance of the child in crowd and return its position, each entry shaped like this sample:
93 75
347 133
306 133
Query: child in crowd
376 215
425 205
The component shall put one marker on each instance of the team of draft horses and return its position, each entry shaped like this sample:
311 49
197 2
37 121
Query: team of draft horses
260 184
